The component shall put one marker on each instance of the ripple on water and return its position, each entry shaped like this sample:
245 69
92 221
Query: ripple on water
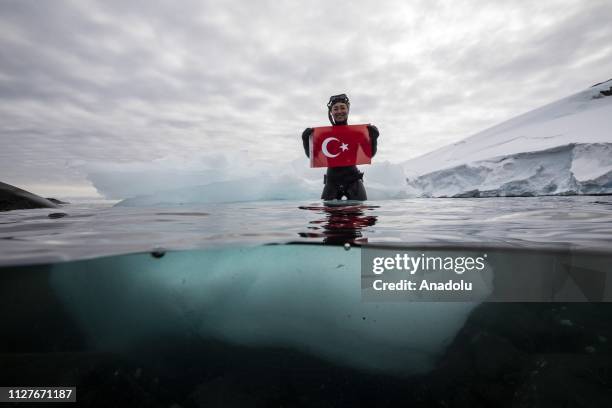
96 230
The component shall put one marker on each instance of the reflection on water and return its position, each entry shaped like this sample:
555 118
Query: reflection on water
340 224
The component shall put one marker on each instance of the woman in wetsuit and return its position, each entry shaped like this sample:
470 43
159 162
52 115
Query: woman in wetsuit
348 180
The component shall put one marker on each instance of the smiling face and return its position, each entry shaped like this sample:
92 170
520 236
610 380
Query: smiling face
339 112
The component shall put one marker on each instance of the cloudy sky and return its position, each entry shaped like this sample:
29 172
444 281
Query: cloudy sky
119 82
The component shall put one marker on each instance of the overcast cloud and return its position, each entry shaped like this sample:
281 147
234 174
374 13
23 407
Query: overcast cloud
124 81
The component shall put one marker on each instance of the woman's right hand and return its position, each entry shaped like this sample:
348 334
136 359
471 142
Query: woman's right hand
306 140
307 132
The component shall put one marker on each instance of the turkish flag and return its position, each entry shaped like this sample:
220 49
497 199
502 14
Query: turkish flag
336 146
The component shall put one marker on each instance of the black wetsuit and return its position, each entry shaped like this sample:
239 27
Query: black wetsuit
347 180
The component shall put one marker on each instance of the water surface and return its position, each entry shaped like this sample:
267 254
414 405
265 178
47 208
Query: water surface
78 231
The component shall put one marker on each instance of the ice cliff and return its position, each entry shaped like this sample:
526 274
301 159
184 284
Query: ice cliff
562 148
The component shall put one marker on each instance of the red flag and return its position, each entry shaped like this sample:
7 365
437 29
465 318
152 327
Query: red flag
335 146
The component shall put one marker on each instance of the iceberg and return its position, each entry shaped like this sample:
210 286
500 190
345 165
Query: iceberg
559 149
302 297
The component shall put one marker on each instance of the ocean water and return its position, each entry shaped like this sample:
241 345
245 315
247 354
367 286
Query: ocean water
92 230
261 304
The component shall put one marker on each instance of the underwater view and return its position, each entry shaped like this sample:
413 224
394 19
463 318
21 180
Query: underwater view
268 304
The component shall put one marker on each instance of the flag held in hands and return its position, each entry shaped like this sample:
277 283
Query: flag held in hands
335 146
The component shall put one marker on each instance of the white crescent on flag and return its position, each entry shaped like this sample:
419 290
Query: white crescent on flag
324 147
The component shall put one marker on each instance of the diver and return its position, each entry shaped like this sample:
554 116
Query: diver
344 181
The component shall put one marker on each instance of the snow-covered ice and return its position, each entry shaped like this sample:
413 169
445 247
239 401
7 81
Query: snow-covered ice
562 148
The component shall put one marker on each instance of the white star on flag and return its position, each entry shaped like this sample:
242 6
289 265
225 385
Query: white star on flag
344 147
